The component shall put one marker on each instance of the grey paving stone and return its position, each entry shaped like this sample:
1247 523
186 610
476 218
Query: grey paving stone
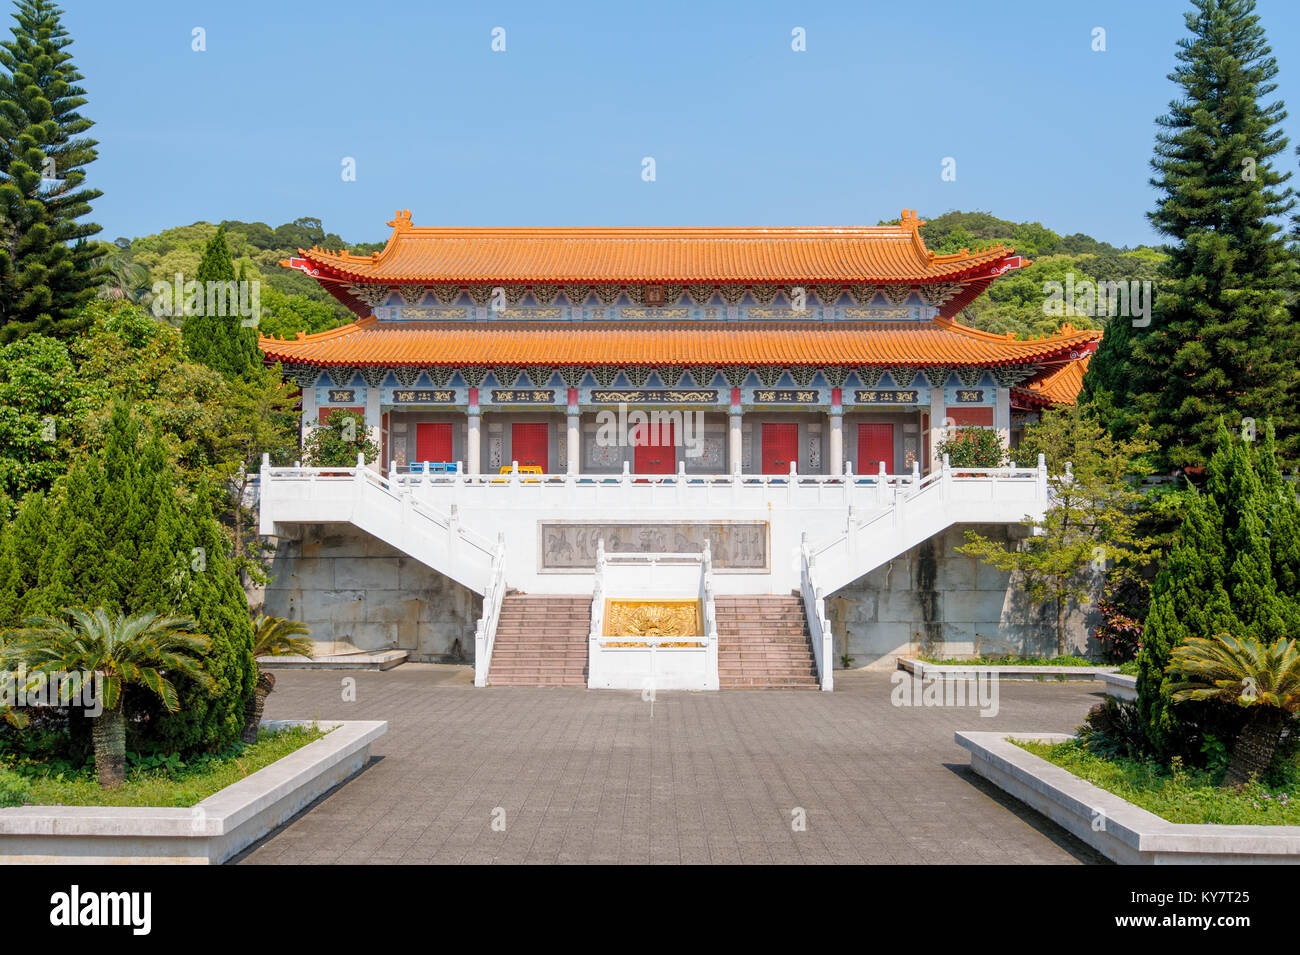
595 777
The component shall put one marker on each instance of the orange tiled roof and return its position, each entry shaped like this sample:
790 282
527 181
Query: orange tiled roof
370 341
894 253
1057 386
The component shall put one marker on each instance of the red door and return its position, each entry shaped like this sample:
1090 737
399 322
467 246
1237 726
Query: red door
529 444
875 444
654 449
780 447
433 442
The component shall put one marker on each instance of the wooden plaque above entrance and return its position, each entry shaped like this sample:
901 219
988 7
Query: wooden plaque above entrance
424 396
672 396
903 397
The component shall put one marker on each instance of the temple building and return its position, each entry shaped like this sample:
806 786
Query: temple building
783 359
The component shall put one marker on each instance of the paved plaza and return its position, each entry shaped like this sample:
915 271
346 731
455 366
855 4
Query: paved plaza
605 777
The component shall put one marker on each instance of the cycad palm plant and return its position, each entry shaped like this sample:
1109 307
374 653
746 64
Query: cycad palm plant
1263 678
147 649
272 637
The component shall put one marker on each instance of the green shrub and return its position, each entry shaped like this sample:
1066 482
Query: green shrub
14 789
973 448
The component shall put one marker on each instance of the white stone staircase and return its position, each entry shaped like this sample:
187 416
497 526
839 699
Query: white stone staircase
368 501
919 512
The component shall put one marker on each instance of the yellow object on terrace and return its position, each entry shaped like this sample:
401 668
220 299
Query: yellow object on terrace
652 618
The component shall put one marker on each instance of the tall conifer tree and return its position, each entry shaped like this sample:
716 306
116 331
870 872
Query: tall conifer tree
1221 343
220 341
47 268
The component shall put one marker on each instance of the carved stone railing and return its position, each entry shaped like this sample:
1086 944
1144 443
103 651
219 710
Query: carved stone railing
486 632
814 606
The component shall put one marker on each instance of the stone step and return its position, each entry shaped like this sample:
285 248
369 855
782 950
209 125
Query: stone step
541 640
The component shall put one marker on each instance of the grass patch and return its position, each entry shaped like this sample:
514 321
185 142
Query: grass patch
1176 793
1066 661
1129 668
157 781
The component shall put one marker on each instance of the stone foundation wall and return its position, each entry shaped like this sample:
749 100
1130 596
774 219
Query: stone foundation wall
352 588
934 601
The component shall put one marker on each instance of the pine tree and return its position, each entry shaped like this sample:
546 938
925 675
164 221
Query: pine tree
1221 342
219 341
47 268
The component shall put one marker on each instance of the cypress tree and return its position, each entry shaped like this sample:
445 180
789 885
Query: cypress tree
1219 577
22 546
121 539
1222 342
47 269
219 341
207 587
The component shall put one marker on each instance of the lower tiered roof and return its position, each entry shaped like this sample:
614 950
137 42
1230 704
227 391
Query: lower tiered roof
371 341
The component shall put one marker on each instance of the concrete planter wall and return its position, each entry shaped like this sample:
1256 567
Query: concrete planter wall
1121 686
210 832
1121 831
933 671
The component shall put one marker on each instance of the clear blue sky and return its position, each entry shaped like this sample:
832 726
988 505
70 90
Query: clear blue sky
744 131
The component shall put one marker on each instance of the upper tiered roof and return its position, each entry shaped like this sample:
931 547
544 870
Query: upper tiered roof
424 254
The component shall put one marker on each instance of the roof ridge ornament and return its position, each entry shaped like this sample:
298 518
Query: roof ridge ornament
401 220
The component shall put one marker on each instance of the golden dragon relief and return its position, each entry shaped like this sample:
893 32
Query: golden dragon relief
652 618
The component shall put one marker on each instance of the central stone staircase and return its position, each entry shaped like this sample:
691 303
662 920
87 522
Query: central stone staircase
764 643
541 640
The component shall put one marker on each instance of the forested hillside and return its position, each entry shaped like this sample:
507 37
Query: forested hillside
291 302
1014 303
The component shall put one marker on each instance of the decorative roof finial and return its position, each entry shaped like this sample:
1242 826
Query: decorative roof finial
401 220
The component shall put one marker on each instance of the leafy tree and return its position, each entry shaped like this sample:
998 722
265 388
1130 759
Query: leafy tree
146 650
273 637
222 341
337 442
38 390
260 417
1218 577
47 269
1124 602
1264 678
1221 342
1092 517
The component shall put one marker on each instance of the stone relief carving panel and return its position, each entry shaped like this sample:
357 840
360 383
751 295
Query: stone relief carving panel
736 546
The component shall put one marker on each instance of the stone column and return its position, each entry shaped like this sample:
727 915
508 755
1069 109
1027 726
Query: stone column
836 451
938 412
1002 415
310 412
574 433
472 422
734 440
375 426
